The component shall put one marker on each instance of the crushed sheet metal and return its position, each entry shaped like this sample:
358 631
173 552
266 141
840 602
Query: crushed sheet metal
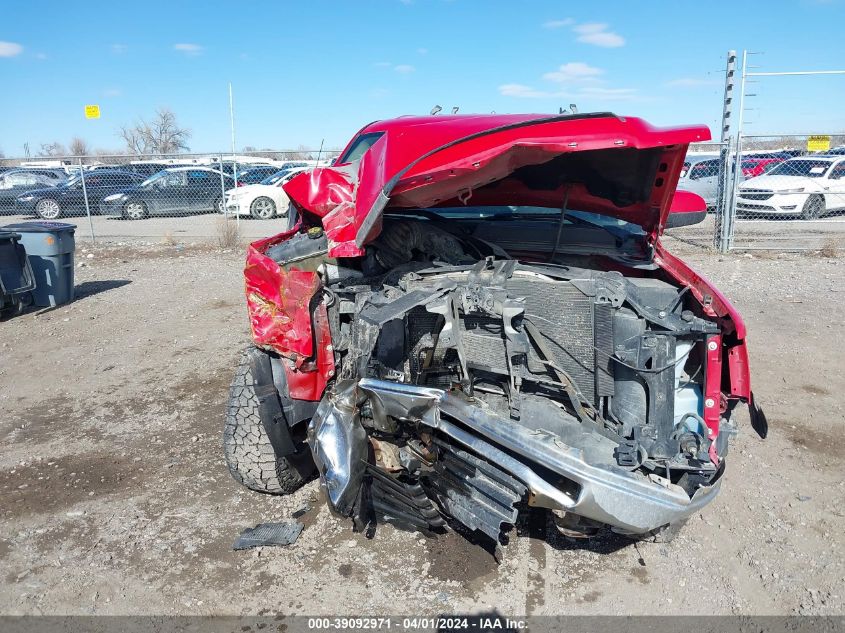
434 161
628 503
279 307
717 305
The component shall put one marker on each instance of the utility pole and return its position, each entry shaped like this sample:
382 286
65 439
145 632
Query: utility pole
720 235
234 161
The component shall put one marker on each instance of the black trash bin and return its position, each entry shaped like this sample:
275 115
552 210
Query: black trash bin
16 279
50 248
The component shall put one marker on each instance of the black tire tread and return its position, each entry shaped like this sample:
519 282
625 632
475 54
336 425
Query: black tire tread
249 454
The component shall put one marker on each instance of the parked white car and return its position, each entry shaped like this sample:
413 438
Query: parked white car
810 186
263 201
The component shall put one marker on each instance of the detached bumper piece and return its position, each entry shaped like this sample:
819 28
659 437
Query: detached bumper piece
402 503
475 492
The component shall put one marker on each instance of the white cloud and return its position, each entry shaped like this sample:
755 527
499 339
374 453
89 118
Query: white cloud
691 82
112 92
573 80
558 24
522 91
382 64
596 33
119 49
422 51
574 72
404 69
407 2
191 50
41 56
607 94
10 49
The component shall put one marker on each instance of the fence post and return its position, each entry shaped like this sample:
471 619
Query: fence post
722 192
223 190
85 196
736 168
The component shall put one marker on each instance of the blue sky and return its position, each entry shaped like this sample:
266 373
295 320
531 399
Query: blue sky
311 70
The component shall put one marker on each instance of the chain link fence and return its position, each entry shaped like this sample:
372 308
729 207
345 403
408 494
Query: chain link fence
779 195
790 197
707 173
192 195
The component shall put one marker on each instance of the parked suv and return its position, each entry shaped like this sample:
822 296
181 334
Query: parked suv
69 197
700 175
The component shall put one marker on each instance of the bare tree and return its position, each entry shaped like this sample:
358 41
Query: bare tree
52 149
79 147
134 138
301 153
161 135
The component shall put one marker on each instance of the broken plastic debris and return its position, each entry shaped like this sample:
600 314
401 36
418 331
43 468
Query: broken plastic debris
268 534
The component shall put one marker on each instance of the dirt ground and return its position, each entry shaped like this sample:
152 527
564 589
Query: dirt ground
115 499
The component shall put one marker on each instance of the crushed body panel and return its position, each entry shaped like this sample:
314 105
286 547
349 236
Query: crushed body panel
481 338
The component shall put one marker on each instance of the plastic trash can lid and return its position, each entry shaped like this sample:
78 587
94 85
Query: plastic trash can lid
40 227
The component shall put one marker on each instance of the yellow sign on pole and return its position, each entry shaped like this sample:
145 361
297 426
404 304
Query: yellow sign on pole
818 143
92 112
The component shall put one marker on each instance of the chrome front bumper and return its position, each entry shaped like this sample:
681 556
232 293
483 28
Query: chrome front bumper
630 502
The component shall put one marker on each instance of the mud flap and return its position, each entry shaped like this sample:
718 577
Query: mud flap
269 407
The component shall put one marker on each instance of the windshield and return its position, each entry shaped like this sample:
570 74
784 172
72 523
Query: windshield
359 146
803 167
155 177
272 179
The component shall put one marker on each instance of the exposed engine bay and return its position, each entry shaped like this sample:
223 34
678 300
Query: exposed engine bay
480 367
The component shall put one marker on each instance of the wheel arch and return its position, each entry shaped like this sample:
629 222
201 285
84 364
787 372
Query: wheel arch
278 412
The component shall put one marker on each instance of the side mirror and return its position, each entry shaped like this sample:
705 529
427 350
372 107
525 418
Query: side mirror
687 209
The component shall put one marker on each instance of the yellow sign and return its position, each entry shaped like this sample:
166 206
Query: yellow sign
92 112
818 144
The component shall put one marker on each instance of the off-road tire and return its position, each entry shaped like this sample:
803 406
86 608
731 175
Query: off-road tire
249 454
814 208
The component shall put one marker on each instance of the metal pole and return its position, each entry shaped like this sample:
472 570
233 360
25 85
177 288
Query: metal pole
727 242
724 151
234 162
223 191
85 196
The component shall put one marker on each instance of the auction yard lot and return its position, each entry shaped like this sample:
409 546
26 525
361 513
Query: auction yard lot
115 499
783 234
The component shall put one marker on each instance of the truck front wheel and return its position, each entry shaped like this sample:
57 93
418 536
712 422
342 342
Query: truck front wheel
249 454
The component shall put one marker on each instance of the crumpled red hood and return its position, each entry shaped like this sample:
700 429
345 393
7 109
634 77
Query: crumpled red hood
429 161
